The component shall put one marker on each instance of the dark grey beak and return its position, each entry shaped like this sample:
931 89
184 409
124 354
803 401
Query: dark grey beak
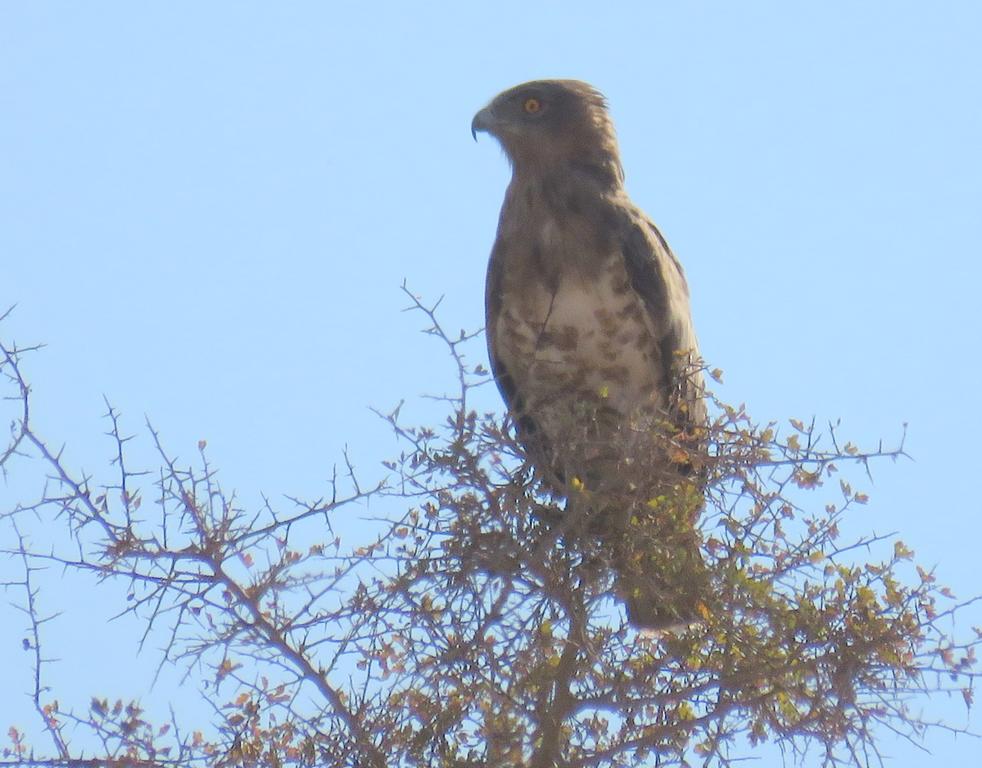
483 121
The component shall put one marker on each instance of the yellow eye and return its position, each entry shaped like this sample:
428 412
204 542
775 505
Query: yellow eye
532 105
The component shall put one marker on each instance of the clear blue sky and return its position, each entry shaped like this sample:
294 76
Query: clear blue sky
207 209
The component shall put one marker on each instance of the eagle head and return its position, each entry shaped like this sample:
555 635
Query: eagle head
549 126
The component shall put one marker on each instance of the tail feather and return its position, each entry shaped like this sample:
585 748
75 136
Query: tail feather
663 586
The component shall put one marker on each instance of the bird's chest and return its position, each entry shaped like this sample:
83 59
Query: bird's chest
568 336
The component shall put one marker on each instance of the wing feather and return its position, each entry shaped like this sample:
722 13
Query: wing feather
656 275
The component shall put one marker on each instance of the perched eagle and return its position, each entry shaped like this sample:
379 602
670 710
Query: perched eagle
592 345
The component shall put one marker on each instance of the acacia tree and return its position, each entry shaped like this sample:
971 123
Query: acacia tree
469 628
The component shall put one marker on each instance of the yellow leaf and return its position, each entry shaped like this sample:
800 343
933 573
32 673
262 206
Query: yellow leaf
901 551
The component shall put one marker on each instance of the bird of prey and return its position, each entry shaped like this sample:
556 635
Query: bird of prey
592 345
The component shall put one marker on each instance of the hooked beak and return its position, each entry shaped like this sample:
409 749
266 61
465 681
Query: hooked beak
483 121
